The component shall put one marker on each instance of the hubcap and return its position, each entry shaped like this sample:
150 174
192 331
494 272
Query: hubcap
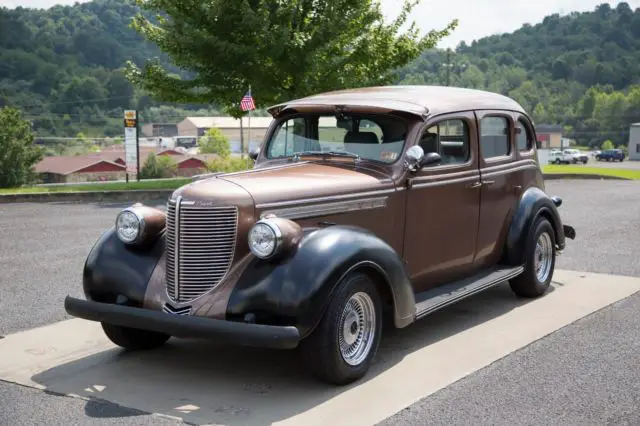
357 328
543 257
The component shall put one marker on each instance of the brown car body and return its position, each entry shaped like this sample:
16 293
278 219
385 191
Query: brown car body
421 232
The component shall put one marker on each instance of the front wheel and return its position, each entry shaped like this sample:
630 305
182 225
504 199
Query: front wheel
342 347
133 338
540 261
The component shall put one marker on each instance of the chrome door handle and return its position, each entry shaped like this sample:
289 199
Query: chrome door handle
474 185
488 182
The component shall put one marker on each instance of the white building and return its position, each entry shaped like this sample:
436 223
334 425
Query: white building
229 126
634 142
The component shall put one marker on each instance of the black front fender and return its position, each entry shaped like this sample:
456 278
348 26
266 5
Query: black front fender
533 203
113 269
296 290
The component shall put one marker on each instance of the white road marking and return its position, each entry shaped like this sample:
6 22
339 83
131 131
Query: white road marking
205 383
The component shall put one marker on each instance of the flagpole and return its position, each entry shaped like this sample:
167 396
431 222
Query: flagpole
249 130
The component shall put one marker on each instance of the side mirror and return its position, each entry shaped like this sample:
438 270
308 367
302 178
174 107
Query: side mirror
413 157
430 158
538 144
253 154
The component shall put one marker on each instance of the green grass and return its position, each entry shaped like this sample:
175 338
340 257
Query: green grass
114 186
621 173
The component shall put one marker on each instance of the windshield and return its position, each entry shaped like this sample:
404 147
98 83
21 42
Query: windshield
378 138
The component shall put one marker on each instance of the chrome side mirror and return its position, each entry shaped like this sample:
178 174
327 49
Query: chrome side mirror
413 158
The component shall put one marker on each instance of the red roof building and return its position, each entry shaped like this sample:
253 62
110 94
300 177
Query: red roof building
109 164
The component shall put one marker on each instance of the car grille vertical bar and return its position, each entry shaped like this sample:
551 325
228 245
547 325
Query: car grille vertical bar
172 267
200 247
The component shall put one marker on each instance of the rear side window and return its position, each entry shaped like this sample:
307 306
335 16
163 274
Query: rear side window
494 137
524 137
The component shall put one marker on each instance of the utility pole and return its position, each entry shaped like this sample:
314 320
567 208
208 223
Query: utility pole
449 65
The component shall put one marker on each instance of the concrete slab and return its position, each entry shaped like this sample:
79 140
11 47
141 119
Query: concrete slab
205 383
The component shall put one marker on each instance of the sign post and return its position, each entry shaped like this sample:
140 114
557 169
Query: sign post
131 144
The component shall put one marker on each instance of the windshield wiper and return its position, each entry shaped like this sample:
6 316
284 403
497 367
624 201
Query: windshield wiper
297 155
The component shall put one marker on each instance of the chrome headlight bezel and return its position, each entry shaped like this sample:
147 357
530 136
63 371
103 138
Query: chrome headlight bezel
271 227
141 225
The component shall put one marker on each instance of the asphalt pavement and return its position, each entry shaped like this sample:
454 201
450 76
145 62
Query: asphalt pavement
586 373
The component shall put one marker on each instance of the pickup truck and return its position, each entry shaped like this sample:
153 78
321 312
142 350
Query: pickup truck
568 156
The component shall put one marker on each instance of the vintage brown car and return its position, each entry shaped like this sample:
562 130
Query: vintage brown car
364 205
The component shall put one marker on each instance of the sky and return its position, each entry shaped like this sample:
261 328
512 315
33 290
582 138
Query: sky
477 18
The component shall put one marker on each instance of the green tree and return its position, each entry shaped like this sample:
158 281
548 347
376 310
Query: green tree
18 154
215 142
156 167
283 49
607 145
150 168
167 166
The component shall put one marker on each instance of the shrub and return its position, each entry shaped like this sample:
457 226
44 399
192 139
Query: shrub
215 142
229 164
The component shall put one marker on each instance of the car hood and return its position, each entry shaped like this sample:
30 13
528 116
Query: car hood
290 182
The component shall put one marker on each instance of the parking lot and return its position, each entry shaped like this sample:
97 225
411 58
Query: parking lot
577 360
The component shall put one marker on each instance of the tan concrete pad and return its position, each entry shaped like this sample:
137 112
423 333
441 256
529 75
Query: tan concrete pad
205 383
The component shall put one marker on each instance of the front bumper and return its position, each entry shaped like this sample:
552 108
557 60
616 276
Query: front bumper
236 333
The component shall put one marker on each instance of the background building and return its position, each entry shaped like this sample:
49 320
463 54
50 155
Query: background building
154 130
550 135
634 142
65 169
229 126
109 165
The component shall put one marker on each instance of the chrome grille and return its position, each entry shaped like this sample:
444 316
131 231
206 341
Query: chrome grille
176 311
200 245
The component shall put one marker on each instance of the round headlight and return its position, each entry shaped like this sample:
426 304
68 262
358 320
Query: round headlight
265 239
129 226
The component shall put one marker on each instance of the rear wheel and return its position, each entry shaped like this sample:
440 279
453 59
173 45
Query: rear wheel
342 347
133 338
540 261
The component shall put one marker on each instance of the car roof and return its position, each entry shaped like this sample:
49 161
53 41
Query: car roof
418 100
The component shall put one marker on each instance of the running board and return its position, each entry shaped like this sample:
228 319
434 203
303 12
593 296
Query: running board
447 294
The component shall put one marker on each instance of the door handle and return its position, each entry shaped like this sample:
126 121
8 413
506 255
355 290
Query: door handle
474 185
488 182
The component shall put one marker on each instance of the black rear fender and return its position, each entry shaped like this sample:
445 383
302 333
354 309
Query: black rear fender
533 204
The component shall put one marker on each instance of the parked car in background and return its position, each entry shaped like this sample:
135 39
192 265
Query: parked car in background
567 156
576 156
610 155
363 206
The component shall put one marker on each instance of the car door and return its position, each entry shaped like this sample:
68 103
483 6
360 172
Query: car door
443 202
500 182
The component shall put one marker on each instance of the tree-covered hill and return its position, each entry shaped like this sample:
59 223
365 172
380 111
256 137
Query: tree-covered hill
63 67
580 70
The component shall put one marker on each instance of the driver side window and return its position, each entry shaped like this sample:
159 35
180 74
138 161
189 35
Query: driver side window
450 139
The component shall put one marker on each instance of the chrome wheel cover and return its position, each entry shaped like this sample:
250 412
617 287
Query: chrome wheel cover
357 328
543 257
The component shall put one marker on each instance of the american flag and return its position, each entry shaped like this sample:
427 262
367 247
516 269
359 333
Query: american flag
247 104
